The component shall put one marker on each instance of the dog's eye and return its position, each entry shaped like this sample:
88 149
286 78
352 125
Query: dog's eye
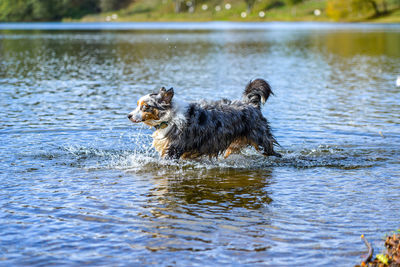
146 107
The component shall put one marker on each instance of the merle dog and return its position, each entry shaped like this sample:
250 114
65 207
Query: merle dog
191 130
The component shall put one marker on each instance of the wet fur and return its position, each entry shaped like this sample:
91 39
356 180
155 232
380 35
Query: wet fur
208 128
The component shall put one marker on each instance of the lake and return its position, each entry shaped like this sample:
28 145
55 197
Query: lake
81 185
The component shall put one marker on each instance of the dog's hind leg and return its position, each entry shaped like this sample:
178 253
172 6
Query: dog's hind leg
273 153
236 146
265 145
268 148
228 152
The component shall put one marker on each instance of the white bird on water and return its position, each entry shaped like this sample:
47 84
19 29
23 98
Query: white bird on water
398 81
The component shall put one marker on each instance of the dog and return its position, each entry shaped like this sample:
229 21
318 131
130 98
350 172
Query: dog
191 130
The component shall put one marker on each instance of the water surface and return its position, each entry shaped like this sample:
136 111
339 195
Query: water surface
81 185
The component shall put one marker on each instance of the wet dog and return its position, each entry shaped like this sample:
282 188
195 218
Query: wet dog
191 130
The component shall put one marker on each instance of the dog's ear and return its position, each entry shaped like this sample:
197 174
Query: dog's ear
166 95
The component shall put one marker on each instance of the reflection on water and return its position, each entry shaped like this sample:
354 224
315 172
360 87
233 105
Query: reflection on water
229 188
82 185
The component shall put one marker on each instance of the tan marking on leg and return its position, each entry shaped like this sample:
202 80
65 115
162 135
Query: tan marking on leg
254 144
236 146
228 152
190 155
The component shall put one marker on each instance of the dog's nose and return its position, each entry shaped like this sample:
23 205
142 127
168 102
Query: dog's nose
129 116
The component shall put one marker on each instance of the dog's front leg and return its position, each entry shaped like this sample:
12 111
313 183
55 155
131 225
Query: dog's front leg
174 152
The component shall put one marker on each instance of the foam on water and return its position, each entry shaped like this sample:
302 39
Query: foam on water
142 156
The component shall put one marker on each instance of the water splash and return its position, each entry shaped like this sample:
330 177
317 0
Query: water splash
144 158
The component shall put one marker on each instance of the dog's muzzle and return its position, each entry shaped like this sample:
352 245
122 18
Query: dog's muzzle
134 119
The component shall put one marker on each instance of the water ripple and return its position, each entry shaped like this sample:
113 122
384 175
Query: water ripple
81 185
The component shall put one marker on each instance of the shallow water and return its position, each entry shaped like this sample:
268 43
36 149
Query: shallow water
81 185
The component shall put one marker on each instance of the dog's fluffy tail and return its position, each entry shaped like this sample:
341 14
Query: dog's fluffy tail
257 92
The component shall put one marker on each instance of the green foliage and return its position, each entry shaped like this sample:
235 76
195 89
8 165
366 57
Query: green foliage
51 10
293 2
15 10
343 9
383 258
45 10
111 5
79 8
250 4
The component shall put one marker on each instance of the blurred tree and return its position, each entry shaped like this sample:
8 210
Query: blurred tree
188 5
293 2
379 6
79 8
250 4
110 5
45 10
340 9
271 4
337 9
178 6
15 10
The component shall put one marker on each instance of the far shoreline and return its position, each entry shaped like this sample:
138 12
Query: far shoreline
193 25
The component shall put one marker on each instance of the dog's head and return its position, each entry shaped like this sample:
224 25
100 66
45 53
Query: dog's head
153 109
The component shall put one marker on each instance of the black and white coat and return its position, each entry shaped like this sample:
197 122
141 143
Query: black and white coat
191 130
